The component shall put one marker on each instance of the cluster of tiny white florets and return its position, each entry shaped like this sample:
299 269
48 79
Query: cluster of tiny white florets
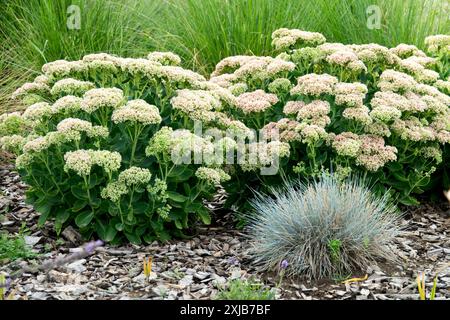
140 67
103 97
256 101
196 104
314 85
343 57
39 88
413 130
114 191
418 71
443 85
368 151
311 133
391 80
135 176
71 86
238 88
347 144
213 176
137 111
285 130
178 144
437 43
63 68
261 154
315 113
37 111
225 68
280 86
165 58
405 51
432 153
283 39
81 161
13 143
67 104
373 54
72 126
350 94
237 69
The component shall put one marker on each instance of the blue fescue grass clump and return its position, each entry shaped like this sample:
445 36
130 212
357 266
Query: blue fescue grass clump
324 229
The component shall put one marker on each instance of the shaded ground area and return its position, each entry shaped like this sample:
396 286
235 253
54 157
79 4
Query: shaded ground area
195 268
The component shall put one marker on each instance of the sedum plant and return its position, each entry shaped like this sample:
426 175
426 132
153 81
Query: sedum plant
97 146
356 108
324 229
130 147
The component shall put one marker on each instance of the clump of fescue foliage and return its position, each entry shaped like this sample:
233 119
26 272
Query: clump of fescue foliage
323 229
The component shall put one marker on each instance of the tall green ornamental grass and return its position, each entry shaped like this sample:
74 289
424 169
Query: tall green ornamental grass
208 30
201 31
33 33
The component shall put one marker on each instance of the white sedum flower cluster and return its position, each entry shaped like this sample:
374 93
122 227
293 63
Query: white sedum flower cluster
137 111
82 161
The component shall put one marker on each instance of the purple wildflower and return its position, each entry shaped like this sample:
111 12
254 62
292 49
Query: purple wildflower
233 261
284 264
90 247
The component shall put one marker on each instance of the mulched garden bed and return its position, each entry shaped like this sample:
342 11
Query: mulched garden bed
195 268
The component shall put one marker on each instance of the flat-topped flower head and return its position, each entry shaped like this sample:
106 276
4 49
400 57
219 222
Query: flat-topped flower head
314 85
280 86
143 67
196 103
81 161
165 58
437 42
374 154
293 107
238 88
423 61
277 66
285 130
178 143
71 86
102 98
114 191
74 124
67 104
137 111
424 89
179 75
407 102
63 68
391 80
347 144
99 57
341 58
229 65
283 39
443 86
135 176
374 54
311 133
385 113
256 101
407 50
13 143
37 111
316 108
359 114
211 175
413 130
38 88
